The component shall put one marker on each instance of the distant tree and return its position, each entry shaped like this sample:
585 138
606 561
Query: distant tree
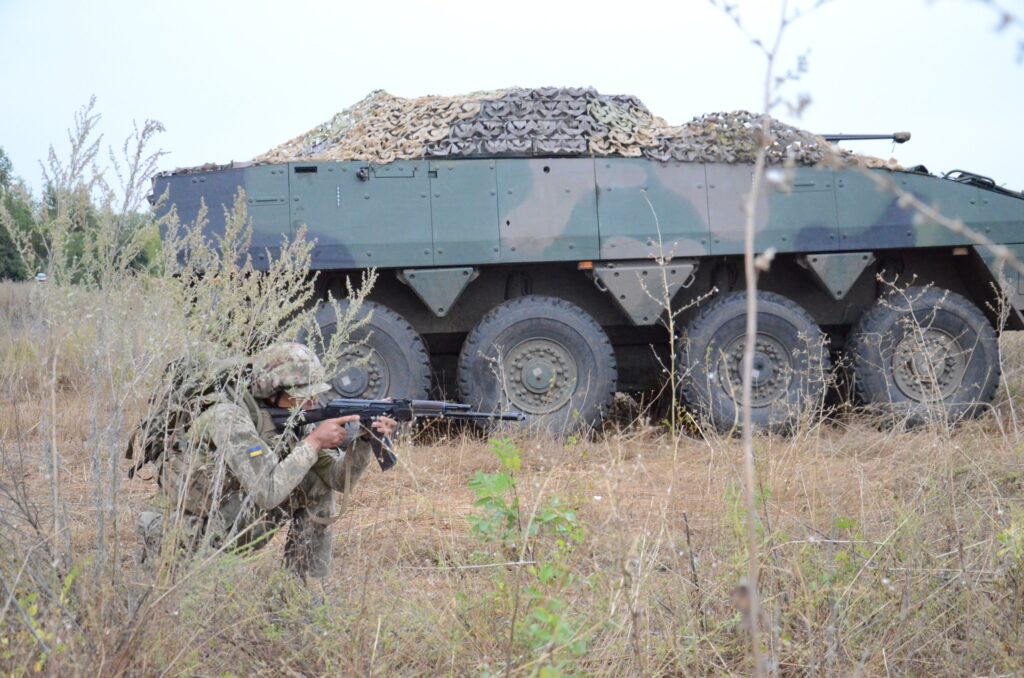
12 267
6 170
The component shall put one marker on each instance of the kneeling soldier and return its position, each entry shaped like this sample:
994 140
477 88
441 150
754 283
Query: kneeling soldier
231 479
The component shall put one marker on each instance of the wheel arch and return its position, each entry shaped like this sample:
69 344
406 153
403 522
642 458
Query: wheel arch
984 276
972 272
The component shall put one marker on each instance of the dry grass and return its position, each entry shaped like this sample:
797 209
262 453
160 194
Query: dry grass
880 551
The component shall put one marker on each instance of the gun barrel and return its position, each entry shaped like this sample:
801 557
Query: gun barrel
485 416
897 137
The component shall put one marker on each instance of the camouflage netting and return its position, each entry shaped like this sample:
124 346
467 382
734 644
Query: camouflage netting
544 122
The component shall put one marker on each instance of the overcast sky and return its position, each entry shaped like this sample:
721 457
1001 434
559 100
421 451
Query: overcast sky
231 78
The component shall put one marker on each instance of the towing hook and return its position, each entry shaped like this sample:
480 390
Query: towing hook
363 174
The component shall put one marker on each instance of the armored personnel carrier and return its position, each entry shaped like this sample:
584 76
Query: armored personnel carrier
531 245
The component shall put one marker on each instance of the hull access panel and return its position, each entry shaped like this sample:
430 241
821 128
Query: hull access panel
364 216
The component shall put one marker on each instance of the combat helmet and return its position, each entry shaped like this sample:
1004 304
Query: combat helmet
290 368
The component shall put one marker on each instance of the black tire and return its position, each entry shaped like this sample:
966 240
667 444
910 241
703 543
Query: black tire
384 358
573 365
924 354
792 356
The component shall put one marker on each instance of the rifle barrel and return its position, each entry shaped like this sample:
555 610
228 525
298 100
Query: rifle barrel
484 416
897 137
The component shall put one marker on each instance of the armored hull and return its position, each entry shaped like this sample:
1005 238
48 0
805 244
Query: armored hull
620 239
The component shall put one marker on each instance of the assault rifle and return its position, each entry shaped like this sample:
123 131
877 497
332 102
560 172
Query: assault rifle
399 409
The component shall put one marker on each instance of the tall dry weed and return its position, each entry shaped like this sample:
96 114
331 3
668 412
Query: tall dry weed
81 356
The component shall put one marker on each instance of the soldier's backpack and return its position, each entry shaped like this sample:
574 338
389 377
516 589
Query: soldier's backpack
182 396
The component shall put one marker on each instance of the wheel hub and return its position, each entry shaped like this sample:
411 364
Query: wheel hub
763 369
540 375
771 372
362 373
928 365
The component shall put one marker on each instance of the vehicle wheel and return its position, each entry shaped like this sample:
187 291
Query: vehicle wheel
384 358
541 356
924 354
790 363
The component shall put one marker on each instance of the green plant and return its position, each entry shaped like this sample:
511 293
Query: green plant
1011 541
542 624
32 630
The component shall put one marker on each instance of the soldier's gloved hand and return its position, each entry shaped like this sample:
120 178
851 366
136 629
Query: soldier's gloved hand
384 426
330 433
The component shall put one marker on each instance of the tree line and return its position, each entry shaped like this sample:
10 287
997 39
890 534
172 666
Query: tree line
25 240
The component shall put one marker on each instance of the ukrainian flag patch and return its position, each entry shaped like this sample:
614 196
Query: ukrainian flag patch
255 451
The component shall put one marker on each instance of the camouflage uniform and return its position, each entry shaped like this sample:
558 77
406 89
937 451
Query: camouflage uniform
232 480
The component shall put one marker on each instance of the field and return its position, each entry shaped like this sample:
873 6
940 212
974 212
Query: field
881 552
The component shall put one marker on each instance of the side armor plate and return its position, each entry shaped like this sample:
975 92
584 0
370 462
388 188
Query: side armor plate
835 273
439 288
643 290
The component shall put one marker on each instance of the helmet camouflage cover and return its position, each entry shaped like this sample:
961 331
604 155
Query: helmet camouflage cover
289 367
